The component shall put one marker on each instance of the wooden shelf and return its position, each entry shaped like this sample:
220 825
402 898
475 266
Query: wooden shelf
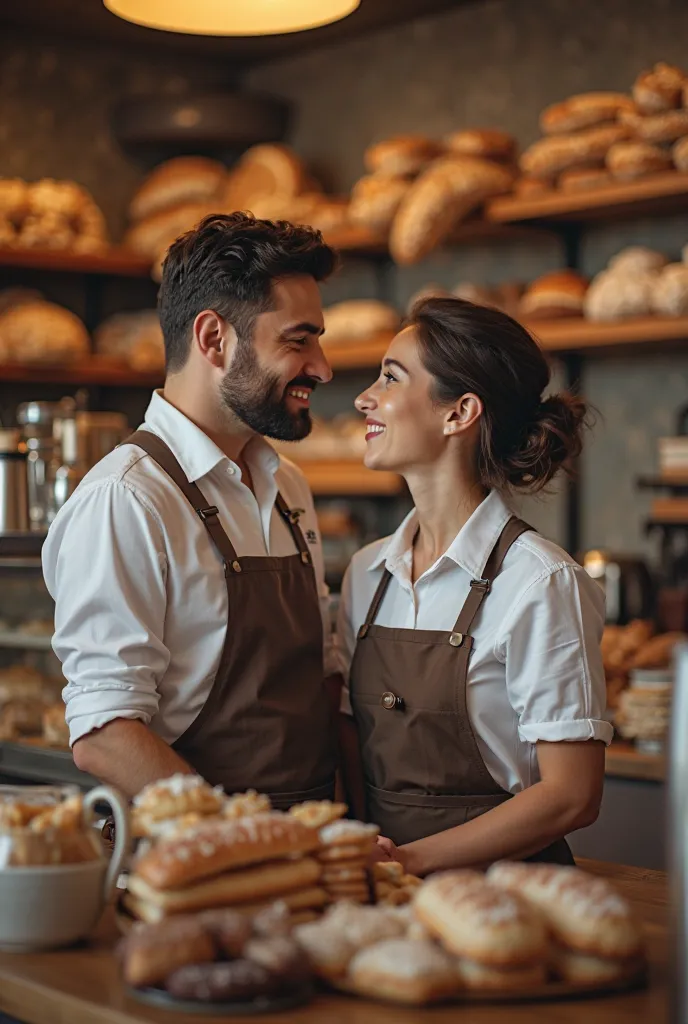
625 762
96 370
354 355
115 261
660 193
571 334
356 241
349 478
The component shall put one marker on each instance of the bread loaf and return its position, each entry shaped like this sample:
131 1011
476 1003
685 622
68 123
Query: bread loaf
628 161
135 338
186 179
156 233
612 296
584 913
554 295
402 155
583 111
443 195
375 200
637 258
41 332
665 127
475 920
264 170
556 153
489 144
658 90
357 319
221 846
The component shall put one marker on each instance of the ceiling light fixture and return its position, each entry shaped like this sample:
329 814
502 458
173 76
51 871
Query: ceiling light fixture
232 17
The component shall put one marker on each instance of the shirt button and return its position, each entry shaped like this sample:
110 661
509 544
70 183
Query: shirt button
231 470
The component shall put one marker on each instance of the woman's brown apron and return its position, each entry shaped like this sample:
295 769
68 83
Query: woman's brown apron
423 768
267 723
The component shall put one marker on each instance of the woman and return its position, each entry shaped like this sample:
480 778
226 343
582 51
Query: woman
471 644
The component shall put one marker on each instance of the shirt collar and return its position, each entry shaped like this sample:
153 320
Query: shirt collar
193 449
471 547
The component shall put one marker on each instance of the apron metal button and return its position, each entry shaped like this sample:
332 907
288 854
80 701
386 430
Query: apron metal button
456 639
390 701
236 567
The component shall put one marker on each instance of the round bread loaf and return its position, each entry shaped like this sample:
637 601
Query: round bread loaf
628 161
41 332
402 155
265 170
659 89
635 258
185 179
583 111
613 295
558 294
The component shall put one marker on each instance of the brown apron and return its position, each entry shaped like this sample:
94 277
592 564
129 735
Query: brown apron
423 768
267 723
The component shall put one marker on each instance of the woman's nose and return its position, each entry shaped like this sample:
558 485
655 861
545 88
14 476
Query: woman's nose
365 401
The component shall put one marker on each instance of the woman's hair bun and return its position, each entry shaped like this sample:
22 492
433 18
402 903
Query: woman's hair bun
553 440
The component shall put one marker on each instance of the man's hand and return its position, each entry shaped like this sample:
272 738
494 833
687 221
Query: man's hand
127 755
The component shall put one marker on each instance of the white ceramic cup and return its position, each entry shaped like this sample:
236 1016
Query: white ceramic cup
55 905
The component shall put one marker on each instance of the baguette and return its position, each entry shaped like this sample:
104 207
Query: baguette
219 846
584 111
472 919
585 914
242 886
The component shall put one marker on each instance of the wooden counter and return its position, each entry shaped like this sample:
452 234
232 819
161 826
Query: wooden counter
81 986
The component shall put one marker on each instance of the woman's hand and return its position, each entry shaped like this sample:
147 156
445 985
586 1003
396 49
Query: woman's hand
384 850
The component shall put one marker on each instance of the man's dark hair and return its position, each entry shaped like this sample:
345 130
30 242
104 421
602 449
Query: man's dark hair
228 263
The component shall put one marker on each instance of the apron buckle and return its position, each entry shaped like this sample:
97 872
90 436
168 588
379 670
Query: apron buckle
206 513
483 585
305 558
391 702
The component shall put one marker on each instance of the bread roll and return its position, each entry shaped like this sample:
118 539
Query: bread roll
60 198
404 971
265 170
186 179
628 161
357 319
612 296
554 295
658 90
578 179
153 234
220 846
447 192
679 155
41 332
489 144
584 913
558 153
583 111
670 296
527 186
578 969
474 920
665 127
402 155
637 258
14 199
375 200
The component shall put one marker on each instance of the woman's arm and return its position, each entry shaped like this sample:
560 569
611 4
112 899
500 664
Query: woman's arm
567 797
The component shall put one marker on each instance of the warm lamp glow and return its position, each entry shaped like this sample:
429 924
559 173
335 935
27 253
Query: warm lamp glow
232 17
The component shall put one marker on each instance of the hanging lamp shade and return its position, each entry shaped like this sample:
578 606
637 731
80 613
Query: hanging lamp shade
232 17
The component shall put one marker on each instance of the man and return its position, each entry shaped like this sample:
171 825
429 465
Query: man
190 611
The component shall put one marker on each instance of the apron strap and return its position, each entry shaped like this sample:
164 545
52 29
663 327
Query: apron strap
209 514
291 517
481 588
377 600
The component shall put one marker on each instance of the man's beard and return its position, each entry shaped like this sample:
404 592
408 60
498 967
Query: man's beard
256 397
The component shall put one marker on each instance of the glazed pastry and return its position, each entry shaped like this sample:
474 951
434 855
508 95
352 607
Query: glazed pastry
245 805
176 795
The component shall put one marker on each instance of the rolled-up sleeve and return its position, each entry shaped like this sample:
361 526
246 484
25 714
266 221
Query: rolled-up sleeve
551 648
104 564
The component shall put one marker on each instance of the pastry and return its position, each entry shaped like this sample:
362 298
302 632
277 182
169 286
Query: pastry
529 186
229 929
659 89
150 954
272 921
578 969
329 951
404 971
362 926
636 258
481 977
628 161
235 981
584 913
343 874
402 155
349 853
317 813
478 921
281 956
442 196
665 127
41 332
239 886
375 200
584 111
265 170
223 845
558 153
177 795
679 154
185 179
614 295
578 179
348 833
358 319
489 144
244 805
558 294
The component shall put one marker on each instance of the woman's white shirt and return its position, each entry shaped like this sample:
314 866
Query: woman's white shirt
536 669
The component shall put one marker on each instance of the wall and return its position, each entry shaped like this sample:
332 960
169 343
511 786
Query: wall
499 63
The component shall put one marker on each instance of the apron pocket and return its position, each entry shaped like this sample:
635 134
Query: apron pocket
406 817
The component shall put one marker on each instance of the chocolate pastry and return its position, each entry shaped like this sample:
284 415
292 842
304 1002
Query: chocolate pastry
229 929
281 956
221 982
